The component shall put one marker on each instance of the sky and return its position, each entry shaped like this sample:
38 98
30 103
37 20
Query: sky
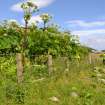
85 18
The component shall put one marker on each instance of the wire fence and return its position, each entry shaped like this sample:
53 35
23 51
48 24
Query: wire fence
38 66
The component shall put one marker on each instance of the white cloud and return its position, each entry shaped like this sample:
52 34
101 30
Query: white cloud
17 7
34 19
89 32
81 23
95 42
39 3
94 38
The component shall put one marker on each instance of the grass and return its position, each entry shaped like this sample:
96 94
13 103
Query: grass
78 86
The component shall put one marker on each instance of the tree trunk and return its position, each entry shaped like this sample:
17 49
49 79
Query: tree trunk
50 68
19 61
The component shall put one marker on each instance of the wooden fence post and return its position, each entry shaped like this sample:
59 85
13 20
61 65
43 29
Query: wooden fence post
50 64
19 61
90 58
67 63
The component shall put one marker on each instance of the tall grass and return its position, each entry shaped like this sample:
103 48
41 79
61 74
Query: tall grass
78 85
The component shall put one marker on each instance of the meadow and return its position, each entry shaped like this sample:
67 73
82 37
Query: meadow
81 84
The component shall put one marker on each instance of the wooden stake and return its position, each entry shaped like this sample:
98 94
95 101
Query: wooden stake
19 61
50 68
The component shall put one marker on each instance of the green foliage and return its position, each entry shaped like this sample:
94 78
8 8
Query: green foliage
38 87
39 71
9 40
42 59
52 41
14 93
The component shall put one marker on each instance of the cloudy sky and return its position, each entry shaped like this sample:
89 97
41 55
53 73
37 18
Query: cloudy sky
85 18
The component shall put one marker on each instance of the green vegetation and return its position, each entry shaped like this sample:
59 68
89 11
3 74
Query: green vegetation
81 85
47 66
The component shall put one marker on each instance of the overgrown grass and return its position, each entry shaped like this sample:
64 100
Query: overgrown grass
80 85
